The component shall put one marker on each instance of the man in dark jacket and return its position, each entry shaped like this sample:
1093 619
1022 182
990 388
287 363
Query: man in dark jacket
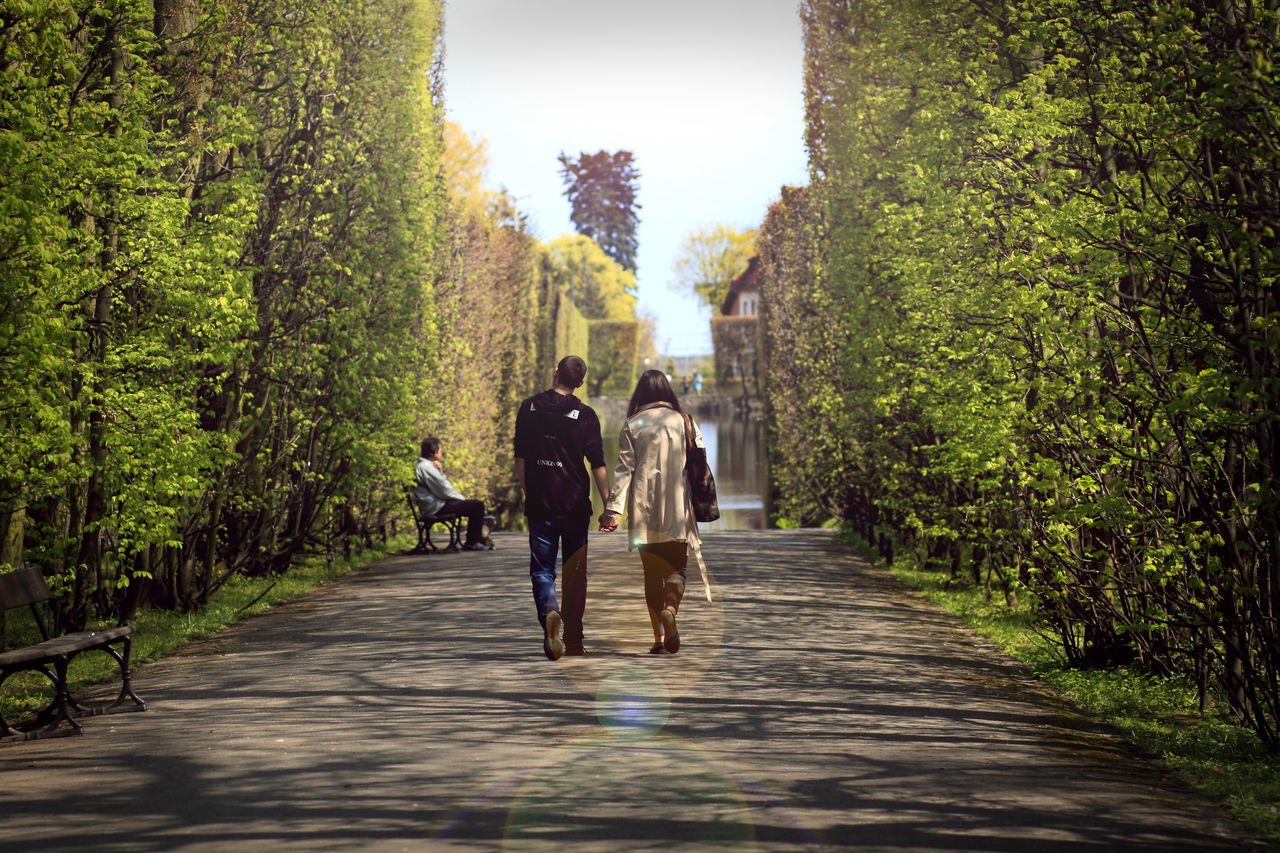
555 431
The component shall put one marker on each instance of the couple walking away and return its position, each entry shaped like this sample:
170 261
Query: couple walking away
555 431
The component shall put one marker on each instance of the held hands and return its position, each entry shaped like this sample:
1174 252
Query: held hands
608 522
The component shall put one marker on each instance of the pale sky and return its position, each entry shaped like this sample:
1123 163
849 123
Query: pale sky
707 94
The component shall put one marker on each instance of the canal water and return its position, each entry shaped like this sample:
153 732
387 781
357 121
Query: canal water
736 451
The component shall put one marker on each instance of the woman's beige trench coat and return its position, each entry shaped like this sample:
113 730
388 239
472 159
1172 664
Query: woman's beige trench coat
650 484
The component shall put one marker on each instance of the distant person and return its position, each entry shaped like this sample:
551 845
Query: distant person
555 431
650 485
685 384
437 495
697 383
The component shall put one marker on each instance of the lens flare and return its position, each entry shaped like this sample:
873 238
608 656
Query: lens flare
632 703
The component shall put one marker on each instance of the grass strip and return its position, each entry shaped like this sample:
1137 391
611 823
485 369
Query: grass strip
1209 752
159 632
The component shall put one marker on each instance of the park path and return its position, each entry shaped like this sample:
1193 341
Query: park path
816 705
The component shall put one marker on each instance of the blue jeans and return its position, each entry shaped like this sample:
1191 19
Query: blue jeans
569 536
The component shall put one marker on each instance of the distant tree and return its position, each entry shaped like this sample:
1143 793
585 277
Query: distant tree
465 164
602 189
611 360
709 259
646 337
465 161
598 285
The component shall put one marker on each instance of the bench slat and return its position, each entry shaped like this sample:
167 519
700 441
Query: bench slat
64 645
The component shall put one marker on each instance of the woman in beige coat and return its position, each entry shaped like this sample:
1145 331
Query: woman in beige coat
651 486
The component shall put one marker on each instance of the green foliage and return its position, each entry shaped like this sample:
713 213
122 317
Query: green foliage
797 359
572 331
612 360
710 257
1023 323
123 305
485 367
465 161
597 284
601 189
247 268
222 242
343 258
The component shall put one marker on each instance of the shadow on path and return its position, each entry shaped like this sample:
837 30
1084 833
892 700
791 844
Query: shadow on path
815 705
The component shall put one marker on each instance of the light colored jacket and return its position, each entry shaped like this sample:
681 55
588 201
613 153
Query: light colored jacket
433 487
650 484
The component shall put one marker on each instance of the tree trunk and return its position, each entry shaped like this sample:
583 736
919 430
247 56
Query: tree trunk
12 527
96 497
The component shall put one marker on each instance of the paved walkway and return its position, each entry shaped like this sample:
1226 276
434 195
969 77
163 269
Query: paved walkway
815 706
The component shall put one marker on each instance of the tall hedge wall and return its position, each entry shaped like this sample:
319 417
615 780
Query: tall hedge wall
1035 278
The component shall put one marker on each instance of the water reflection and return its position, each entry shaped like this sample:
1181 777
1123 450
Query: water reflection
735 447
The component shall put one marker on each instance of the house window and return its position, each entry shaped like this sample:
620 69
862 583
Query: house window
747 305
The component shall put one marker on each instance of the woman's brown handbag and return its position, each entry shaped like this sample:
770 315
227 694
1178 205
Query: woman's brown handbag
702 485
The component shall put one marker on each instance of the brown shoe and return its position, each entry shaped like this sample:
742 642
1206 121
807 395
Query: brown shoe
671 635
552 644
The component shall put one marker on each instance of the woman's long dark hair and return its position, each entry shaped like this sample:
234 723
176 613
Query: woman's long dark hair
653 387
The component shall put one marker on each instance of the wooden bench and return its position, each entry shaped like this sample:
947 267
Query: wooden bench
52 657
452 521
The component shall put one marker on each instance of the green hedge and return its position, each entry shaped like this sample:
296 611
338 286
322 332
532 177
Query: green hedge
1031 317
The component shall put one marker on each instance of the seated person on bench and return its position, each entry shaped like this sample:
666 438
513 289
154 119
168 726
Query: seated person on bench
438 496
